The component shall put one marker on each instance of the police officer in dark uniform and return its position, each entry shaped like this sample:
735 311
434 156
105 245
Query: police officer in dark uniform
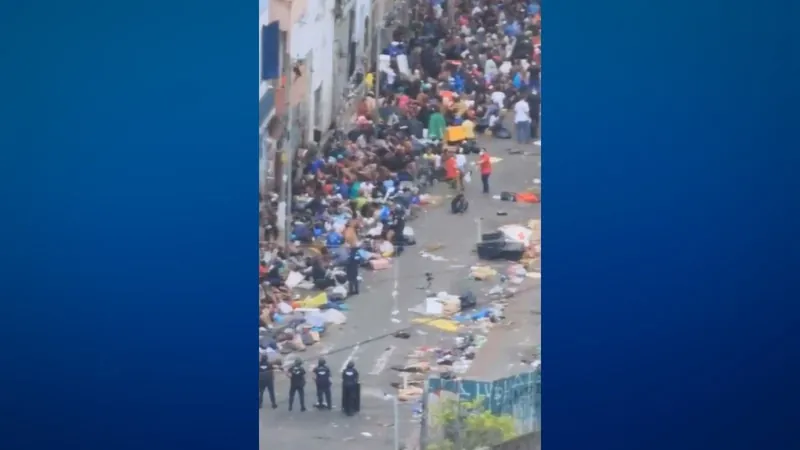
266 381
297 383
350 390
322 377
398 226
353 263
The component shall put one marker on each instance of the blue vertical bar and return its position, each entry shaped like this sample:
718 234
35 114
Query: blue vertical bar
270 44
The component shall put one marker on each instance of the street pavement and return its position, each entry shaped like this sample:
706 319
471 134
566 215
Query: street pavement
383 308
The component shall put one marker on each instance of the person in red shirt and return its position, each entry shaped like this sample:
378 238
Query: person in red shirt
485 164
451 171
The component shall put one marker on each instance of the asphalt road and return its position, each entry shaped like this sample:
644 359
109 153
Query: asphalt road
367 339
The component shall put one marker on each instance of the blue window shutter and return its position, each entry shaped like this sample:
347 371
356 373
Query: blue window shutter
270 44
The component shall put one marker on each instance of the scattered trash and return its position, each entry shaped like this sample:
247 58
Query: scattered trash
482 272
450 326
433 247
366 434
402 335
502 213
432 257
395 320
537 181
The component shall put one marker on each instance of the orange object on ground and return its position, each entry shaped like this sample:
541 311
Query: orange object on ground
527 197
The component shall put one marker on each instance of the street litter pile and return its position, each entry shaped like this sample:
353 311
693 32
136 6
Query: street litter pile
465 323
521 243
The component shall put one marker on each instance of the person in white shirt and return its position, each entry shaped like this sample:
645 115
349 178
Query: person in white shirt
498 98
522 121
490 68
390 76
461 161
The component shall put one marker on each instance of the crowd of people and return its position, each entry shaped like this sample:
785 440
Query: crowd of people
440 85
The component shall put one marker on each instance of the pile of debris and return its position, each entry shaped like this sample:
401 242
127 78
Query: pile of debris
445 361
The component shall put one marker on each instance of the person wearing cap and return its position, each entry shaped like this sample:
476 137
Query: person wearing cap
322 378
350 389
266 382
297 383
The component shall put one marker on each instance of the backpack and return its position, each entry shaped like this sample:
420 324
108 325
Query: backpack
459 204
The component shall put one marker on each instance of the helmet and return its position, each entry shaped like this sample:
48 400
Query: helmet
321 362
298 362
350 364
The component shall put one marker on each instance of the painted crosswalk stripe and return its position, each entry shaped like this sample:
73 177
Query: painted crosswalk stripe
350 357
382 361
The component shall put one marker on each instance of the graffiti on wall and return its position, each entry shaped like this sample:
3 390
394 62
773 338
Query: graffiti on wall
519 396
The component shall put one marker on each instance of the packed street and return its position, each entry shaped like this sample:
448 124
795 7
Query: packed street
375 315
408 243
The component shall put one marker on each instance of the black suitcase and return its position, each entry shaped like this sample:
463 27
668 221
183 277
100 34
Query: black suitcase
494 236
500 250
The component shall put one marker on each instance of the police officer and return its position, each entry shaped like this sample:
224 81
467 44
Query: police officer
353 260
322 377
266 381
350 389
297 383
397 227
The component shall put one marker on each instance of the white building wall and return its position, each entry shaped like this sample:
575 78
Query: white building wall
314 33
363 11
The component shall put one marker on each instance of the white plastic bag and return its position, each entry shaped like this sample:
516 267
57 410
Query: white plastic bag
468 177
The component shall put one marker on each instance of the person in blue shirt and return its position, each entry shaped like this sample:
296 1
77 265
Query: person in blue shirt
344 190
511 29
316 165
458 83
517 80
